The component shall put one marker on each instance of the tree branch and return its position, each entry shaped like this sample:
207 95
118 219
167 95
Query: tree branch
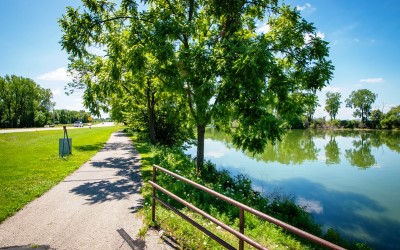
189 95
123 17
171 7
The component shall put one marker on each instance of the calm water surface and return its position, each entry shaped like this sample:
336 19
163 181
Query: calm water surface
348 180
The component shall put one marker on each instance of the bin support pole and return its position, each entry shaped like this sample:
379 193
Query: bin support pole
65 136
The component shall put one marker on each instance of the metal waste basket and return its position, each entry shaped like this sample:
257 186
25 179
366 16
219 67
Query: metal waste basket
64 146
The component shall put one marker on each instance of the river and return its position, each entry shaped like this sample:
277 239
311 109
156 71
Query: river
348 180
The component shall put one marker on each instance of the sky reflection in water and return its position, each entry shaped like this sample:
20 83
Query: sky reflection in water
348 180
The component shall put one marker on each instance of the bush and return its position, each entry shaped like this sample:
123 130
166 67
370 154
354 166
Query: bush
318 123
351 124
334 123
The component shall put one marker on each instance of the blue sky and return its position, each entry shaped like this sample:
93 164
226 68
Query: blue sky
364 39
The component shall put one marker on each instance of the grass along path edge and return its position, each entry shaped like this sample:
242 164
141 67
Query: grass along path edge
30 164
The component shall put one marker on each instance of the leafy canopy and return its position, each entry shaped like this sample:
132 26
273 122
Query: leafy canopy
332 104
23 103
209 54
362 101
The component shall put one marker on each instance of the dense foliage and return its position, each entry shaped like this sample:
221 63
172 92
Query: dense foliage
64 116
23 103
391 119
377 120
332 104
203 59
362 101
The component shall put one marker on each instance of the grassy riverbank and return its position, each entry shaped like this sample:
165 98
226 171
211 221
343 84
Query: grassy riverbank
30 165
238 188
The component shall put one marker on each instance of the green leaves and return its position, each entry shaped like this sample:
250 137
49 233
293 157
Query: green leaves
332 104
23 103
362 101
204 55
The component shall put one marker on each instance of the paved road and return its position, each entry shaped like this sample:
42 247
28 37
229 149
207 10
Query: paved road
16 130
93 208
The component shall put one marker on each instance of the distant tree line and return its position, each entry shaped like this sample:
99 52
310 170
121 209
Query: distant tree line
361 101
64 116
24 104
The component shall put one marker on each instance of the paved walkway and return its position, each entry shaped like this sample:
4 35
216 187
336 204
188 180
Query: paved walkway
93 208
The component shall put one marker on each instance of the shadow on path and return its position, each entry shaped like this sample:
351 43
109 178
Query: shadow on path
137 244
116 176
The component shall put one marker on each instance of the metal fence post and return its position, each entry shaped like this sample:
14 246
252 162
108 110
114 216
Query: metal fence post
241 227
153 201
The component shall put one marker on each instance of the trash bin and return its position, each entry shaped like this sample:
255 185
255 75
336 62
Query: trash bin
64 146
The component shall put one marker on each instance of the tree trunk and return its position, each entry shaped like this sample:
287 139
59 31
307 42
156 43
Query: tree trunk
201 129
151 113
362 118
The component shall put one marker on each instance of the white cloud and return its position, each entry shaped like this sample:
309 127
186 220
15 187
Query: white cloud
59 74
307 7
215 154
263 29
70 102
311 206
372 80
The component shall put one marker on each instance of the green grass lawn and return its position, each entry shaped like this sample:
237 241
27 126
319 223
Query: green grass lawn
30 165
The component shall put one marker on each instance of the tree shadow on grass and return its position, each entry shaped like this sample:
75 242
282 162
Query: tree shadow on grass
89 147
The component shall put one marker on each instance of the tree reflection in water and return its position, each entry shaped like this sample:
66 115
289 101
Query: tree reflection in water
340 197
295 147
332 151
298 146
361 155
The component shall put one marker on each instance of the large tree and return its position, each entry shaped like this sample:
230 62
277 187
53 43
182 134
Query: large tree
23 103
332 104
361 100
130 80
210 54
